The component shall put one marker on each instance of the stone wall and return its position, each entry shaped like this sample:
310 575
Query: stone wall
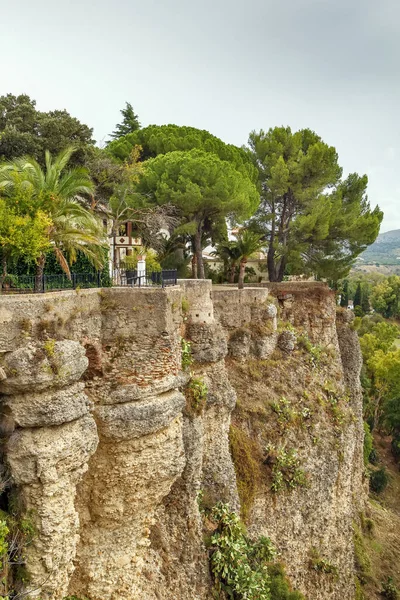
107 456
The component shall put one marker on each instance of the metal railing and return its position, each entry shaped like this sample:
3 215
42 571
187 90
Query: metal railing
136 278
29 284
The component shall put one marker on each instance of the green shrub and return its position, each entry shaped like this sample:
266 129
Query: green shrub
238 570
378 480
279 585
286 471
395 446
186 354
322 565
196 395
389 590
368 443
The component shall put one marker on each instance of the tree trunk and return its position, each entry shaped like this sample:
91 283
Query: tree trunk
194 267
39 273
199 252
242 267
232 270
281 270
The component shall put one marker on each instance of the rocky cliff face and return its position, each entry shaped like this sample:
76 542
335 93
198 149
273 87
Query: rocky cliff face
109 453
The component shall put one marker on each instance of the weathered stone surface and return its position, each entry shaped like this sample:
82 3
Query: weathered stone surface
287 341
126 484
239 344
137 419
54 407
41 366
133 391
47 453
263 346
208 342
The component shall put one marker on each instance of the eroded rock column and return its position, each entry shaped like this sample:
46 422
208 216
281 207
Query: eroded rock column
47 453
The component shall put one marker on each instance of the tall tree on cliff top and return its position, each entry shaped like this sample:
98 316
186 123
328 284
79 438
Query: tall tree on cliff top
161 139
310 219
203 188
25 131
129 124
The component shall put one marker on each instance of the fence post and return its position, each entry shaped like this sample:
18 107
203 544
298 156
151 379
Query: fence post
73 280
43 282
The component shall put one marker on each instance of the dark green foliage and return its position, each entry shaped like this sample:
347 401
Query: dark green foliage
26 131
306 228
389 590
279 584
344 297
161 139
130 122
368 443
395 446
378 480
357 297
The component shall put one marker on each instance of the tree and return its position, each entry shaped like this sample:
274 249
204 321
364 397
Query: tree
344 297
311 220
385 297
130 122
204 190
22 236
229 252
161 139
247 244
357 296
25 131
54 192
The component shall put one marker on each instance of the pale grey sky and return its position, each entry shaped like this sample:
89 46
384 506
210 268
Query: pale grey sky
228 67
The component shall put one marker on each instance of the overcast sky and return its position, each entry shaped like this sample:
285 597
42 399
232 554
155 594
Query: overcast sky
225 66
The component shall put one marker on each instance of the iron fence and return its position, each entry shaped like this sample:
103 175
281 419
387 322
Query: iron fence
136 278
29 284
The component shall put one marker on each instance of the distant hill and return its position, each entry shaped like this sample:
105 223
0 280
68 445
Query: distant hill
385 250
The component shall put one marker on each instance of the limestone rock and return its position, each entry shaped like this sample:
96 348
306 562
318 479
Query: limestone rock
287 341
45 454
208 342
137 419
38 367
48 408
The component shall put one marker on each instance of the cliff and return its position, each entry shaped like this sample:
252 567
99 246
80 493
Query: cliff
114 450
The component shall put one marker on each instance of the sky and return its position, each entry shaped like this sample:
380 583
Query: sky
226 66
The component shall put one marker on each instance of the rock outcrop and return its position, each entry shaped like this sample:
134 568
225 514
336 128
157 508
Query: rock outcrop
111 458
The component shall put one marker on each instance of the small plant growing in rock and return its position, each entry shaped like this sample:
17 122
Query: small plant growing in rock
286 470
389 590
185 305
196 393
284 410
187 358
322 565
49 347
314 350
238 565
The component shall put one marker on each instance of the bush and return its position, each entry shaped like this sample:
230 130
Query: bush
186 354
389 590
368 443
238 570
279 585
286 471
395 446
196 395
378 480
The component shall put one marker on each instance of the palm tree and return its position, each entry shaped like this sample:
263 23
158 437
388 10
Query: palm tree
228 252
56 191
247 244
